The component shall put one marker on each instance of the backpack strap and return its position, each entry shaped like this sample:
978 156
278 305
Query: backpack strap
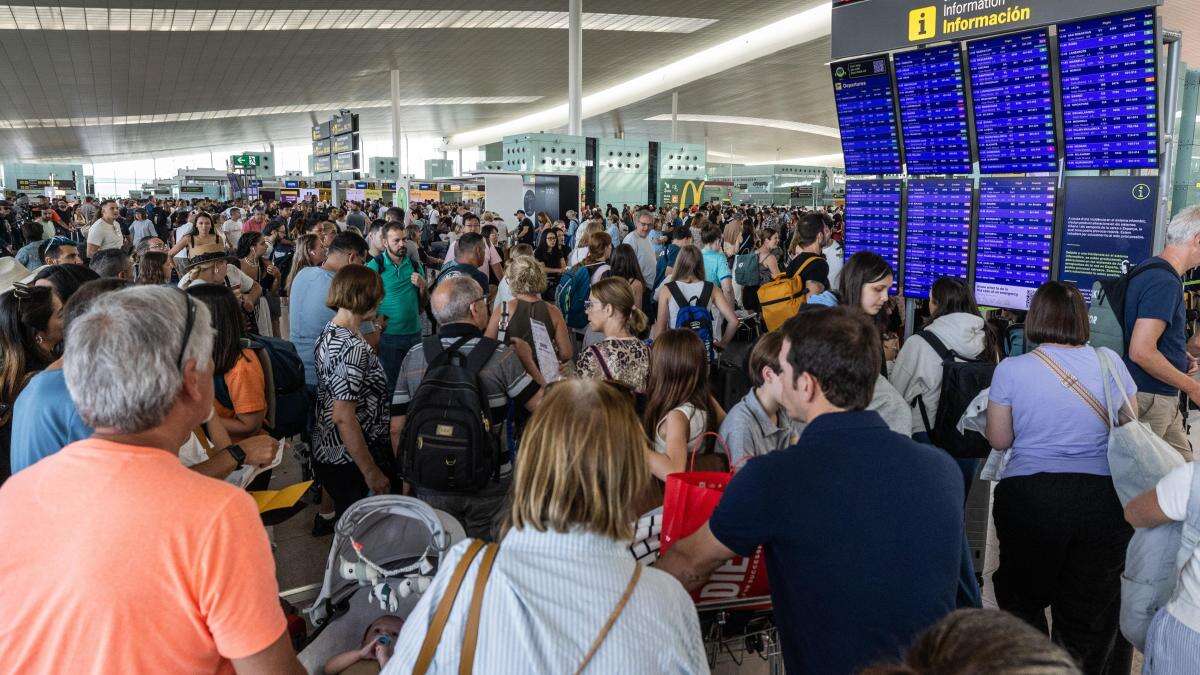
705 295
943 352
595 349
1071 382
466 661
438 624
676 293
480 355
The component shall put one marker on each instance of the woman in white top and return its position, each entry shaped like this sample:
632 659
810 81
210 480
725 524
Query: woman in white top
563 570
583 241
688 275
679 408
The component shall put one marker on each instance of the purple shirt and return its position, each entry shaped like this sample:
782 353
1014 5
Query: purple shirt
1054 430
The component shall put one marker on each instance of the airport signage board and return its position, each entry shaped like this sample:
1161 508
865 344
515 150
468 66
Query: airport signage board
1108 227
345 161
322 147
873 26
345 143
320 131
343 123
246 161
291 184
191 189
322 164
37 184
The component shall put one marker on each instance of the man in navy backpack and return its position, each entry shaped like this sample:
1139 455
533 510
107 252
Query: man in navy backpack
461 309
1155 324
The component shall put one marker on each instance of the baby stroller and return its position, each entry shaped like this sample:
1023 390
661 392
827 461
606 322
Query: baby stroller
385 552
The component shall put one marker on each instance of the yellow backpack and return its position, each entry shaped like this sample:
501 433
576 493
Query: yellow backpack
782 297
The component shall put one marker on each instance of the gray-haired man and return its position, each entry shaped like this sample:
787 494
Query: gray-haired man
125 524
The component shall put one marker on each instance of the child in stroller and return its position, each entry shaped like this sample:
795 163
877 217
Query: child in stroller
377 645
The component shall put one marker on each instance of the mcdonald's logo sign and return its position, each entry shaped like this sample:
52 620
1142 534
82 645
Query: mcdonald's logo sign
682 193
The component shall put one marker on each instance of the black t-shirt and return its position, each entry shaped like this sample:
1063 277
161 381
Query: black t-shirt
527 234
817 270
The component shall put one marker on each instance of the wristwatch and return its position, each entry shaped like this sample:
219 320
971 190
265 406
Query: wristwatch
238 454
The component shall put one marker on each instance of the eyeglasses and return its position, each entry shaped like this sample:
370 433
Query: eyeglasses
187 328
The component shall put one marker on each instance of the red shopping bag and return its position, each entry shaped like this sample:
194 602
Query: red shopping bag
689 498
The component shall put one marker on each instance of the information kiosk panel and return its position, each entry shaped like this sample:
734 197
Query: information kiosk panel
937 233
1109 92
873 218
1012 97
933 110
862 91
1015 238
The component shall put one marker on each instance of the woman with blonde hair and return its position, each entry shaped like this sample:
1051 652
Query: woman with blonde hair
517 317
310 252
561 592
621 355
584 241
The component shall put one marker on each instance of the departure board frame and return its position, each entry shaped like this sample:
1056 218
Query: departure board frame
961 243
1158 92
1051 93
978 235
851 73
927 169
894 258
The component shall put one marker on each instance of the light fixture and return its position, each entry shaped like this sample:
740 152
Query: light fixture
801 28
171 19
120 120
786 125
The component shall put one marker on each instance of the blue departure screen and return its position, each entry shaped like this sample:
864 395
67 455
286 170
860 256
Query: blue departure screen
862 91
1013 103
1016 231
937 233
873 218
933 110
1109 92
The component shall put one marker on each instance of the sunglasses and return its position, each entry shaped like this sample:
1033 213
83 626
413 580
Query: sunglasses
187 329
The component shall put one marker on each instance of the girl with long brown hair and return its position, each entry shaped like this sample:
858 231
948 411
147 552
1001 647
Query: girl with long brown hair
679 408
30 331
310 252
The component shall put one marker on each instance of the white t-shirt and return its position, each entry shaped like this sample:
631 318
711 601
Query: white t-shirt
690 290
1173 492
577 256
105 236
233 231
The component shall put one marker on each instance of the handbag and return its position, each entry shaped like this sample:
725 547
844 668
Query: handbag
466 662
1137 459
689 499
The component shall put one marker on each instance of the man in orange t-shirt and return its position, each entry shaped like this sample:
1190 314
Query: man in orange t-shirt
117 559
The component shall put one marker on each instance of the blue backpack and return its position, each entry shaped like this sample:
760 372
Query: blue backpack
695 316
572 294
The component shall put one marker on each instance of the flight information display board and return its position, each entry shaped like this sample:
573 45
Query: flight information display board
1012 98
873 218
862 92
1109 92
1014 241
937 233
933 110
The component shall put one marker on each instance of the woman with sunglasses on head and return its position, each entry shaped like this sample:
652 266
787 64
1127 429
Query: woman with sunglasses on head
30 333
203 232
621 355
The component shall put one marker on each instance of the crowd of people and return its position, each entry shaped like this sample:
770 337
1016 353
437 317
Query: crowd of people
540 380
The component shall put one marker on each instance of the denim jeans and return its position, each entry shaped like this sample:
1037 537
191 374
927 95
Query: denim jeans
392 349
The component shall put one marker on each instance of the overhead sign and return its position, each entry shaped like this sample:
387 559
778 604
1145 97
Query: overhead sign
874 26
321 147
345 161
291 184
320 131
343 123
191 189
246 161
1108 227
322 164
37 184
345 143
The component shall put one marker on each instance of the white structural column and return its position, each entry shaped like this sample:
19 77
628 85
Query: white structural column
674 113
396 120
575 68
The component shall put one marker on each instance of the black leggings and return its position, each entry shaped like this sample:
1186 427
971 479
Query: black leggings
1062 545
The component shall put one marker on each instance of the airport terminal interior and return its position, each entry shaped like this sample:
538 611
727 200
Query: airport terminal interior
599 336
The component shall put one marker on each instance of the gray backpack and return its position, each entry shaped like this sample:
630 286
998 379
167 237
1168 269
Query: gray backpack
1107 311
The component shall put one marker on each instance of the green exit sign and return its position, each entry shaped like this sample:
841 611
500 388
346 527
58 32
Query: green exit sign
246 160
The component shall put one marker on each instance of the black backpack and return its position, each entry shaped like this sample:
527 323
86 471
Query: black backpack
962 380
448 445
290 397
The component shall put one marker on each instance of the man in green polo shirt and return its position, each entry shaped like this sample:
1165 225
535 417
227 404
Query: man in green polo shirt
403 293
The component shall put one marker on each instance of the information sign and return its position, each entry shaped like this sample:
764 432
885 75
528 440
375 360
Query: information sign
937 233
1012 98
1108 226
862 92
322 147
1015 236
933 110
1109 92
345 143
322 164
873 218
345 161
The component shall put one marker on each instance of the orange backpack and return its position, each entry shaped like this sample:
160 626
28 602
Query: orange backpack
782 297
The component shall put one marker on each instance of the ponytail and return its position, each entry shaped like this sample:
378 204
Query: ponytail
637 323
